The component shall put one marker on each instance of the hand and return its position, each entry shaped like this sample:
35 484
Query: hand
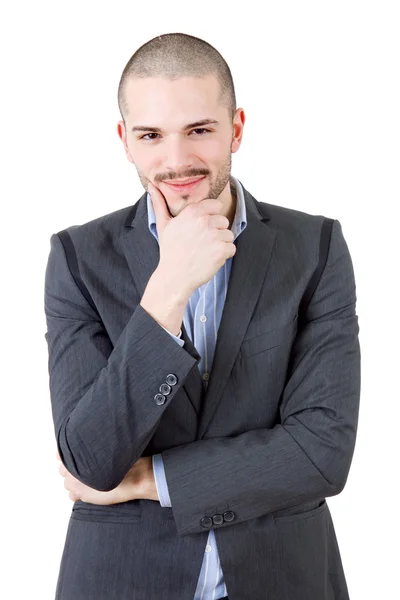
195 244
139 482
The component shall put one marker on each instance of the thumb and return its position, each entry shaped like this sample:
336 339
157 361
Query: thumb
160 207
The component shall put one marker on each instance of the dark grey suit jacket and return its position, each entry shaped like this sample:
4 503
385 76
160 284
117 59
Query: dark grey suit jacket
270 439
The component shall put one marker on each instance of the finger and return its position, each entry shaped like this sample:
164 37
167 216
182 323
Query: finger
210 206
62 470
70 483
160 207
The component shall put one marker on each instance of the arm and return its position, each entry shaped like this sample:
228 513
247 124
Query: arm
102 396
306 456
157 463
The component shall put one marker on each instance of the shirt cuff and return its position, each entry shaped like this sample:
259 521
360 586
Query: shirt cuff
176 338
161 482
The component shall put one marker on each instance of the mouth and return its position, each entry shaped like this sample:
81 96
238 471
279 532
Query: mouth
184 187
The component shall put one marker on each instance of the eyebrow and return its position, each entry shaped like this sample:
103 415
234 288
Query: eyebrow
189 126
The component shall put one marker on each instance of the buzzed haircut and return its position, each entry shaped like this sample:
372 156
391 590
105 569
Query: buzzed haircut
175 55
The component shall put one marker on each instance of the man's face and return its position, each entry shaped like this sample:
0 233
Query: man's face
175 151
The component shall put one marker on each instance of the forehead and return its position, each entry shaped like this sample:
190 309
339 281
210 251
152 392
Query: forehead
160 97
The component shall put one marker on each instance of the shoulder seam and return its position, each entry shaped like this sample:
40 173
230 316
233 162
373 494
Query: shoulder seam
73 266
324 244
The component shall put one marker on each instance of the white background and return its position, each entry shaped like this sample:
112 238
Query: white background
319 84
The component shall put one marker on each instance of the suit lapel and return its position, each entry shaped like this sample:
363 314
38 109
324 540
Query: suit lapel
249 267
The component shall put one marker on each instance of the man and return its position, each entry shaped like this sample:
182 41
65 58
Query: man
204 364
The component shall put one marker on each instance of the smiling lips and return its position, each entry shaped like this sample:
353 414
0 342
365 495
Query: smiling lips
183 187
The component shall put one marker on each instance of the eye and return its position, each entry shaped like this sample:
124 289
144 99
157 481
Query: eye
200 129
144 137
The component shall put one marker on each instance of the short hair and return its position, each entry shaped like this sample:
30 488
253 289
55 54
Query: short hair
175 55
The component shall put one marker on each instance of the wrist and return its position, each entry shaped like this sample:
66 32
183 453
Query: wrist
171 287
165 302
151 487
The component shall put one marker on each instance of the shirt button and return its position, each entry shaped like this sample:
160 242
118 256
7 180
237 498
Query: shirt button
203 318
208 548
206 376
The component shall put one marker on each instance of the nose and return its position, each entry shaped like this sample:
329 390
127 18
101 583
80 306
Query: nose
177 158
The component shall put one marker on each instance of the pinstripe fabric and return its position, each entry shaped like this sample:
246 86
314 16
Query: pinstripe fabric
201 319
268 437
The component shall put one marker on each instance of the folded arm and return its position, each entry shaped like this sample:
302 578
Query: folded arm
307 455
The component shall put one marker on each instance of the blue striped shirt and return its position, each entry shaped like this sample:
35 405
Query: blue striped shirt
201 320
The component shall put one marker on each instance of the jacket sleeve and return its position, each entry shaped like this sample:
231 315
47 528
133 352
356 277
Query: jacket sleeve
307 455
177 338
157 462
103 397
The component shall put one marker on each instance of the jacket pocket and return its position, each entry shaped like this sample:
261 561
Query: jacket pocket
294 514
124 512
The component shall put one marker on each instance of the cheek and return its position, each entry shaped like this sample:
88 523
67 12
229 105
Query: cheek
214 150
143 158
145 170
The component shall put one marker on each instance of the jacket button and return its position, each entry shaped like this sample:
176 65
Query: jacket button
165 389
218 519
159 399
171 379
206 522
229 515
